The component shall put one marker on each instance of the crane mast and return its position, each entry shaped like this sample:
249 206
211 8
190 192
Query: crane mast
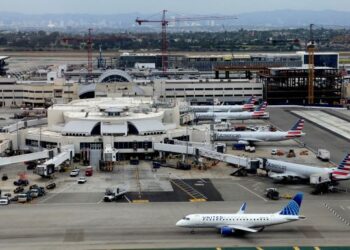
311 67
164 23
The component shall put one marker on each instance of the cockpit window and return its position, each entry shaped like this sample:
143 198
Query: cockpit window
186 218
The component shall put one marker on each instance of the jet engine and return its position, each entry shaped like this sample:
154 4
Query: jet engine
226 231
243 142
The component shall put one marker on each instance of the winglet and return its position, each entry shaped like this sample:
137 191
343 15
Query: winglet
242 209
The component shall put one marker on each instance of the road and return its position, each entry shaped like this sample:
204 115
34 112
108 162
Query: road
126 225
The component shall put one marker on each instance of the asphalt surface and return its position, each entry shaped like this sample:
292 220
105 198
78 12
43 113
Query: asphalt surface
315 137
152 225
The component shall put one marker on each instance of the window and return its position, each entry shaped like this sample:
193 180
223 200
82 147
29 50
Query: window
31 143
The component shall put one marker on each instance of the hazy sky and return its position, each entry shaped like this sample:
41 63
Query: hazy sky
154 6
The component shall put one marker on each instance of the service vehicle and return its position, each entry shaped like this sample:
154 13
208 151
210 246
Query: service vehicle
74 173
82 180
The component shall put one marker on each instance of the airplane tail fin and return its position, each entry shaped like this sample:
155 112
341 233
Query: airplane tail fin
293 206
345 164
251 100
249 104
261 107
242 209
298 126
296 130
343 169
260 110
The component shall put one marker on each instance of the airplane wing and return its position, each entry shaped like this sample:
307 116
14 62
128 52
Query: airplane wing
241 228
250 139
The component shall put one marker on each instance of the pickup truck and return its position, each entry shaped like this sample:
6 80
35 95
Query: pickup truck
113 194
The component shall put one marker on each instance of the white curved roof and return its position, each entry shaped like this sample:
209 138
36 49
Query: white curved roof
148 126
113 72
79 127
110 128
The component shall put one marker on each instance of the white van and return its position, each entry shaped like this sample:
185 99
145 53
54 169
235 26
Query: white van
4 201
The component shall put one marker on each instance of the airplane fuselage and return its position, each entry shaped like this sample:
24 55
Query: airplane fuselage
246 220
300 170
254 136
245 115
221 108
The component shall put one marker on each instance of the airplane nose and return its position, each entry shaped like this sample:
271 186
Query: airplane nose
179 223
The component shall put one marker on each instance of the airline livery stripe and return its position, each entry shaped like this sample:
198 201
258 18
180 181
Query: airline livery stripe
339 173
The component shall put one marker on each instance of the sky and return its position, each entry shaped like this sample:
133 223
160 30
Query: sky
177 6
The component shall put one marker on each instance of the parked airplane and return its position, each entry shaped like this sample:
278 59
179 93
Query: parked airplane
249 105
230 223
259 112
283 171
247 137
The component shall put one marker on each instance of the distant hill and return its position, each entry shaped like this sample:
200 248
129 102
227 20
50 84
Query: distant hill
265 19
295 18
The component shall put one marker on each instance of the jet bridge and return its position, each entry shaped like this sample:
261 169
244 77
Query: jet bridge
204 150
52 165
26 157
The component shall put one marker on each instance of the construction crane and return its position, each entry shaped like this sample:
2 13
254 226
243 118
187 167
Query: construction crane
311 46
89 48
165 22
89 43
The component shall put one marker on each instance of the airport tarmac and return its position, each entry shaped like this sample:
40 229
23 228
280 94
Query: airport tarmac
152 225
316 137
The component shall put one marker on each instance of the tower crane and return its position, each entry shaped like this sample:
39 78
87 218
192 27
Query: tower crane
311 46
89 43
165 22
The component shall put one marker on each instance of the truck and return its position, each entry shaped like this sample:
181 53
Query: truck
89 171
114 193
323 154
317 179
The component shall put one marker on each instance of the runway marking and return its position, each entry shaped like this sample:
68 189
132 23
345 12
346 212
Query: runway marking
100 201
126 198
140 201
250 191
198 200
55 194
337 215
342 207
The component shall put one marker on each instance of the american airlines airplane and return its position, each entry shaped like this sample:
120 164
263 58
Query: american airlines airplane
247 137
249 105
283 171
228 224
259 112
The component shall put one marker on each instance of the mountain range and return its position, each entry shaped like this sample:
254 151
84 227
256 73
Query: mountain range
262 20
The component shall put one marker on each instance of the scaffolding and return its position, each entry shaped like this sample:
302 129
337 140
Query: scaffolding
291 85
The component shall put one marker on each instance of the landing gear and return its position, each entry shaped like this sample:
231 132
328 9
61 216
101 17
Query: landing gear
192 231
261 229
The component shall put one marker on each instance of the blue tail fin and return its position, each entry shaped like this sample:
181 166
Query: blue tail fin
293 206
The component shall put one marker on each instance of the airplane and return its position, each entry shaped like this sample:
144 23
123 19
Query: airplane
288 171
259 112
249 105
228 224
247 137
